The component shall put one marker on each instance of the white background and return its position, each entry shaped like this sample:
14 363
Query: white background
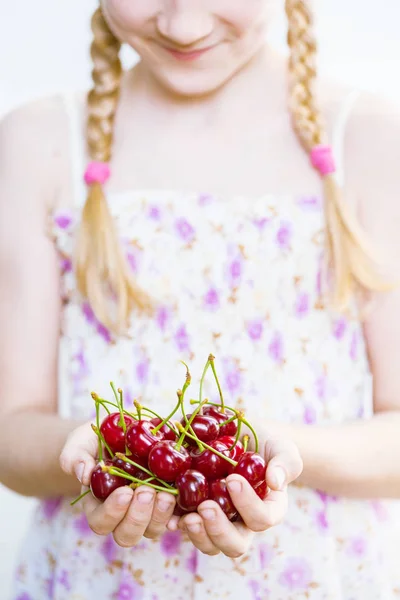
43 49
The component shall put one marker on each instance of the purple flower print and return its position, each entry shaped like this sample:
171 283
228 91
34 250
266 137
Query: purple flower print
162 317
284 235
255 329
326 498
205 199
261 223
132 261
185 230
65 265
24 596
297 574
266 553
233 378
321 385
142 370
154 213
354 346
130 591
310 416
104 333
255 589
310 203
302 305
380 510
321 521
339 328
82 526
171 543
235 271
192 562
88 313
63 220
109 549
51 507
182 339
275 348
211 299
92 320
357 547
64 580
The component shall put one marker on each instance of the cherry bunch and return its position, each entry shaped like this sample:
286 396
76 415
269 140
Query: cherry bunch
189 458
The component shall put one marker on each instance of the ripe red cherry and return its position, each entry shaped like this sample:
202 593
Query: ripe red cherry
261 490
236 451
166 462
220 494
140 439
144 476
168 434
103 484
112 431
210 464
130 469
179 512
193 490
205 428
252 467
230 428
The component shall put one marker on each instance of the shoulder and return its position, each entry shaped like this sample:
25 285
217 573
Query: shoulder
34 142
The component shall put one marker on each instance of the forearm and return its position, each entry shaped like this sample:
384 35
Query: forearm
358 460
30 446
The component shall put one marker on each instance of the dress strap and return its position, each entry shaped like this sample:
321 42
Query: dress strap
339 132
76 144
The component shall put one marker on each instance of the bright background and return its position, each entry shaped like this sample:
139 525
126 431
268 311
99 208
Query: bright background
43 49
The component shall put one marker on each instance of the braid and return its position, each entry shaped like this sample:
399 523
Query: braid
101 267
349 252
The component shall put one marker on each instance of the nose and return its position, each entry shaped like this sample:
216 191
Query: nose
185 25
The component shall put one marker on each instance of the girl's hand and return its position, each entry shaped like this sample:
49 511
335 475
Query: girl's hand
128 515
210 530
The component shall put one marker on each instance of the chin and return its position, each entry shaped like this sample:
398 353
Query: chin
191 85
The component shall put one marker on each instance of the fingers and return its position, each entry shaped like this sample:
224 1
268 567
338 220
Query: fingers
78 455
224 535
132 527
193 526
162 512
284 463
104 517
173 523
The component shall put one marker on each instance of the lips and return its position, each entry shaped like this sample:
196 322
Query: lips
188 56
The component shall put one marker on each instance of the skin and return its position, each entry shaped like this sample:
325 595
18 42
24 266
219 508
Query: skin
173 117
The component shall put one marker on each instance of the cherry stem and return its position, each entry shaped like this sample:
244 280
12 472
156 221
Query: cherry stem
131 462
101 401
139 408
229 460
120 406
171 427
233 418
101 439
199 444
208 364
79 498
98 430
138 482
211 359
246 440
249 426
165 421
237 434
188 424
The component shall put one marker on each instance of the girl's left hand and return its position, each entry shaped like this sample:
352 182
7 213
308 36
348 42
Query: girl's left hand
211 531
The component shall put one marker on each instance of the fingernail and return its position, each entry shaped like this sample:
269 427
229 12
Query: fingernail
162 505
194 528
145 498
209 514
124 499
79 469
278 477
234 486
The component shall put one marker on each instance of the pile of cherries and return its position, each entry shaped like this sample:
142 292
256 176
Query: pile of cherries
189 458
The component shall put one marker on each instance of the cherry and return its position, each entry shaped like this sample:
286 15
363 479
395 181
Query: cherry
167 433
179 512
112 431
140 439
229 428
167 461
210 464
236 451
193 490
220 494
119 463
145 476
252 467
205 428
103 484
261 490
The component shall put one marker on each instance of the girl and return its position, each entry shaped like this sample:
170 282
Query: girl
236 268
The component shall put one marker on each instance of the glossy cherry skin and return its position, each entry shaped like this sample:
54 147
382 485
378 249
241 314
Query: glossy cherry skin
168 434
103 484
179 512
140 439
236 451
220 494
252 467
205 428
125 466
193 490
166 462
112 431
261 490
208 463
230 428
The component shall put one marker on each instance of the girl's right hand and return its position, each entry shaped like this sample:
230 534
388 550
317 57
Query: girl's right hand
128 515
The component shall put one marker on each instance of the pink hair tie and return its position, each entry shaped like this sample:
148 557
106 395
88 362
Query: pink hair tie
322 159
97 172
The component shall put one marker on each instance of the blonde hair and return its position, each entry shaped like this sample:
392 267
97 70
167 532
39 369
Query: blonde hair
101 267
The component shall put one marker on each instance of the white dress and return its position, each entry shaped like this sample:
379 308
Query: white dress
240 279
